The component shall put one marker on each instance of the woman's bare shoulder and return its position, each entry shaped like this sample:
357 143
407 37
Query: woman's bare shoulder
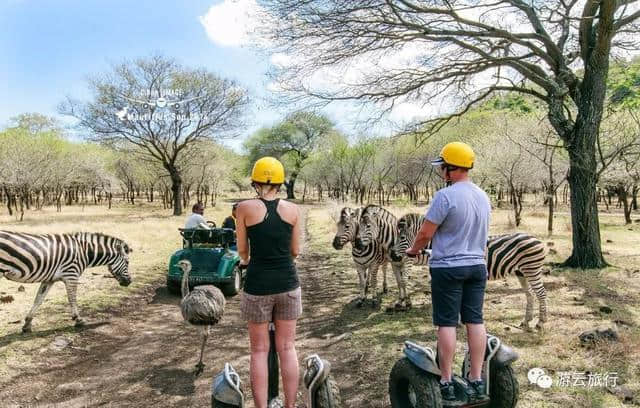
289 205
250 203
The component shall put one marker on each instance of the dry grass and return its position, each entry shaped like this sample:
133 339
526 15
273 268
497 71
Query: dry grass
575 298
149 231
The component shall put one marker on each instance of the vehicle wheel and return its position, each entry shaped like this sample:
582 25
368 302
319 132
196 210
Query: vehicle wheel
328 394
273 368
232 288
173 288
411 387
503 387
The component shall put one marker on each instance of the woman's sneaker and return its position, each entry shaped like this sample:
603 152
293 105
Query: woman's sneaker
448 391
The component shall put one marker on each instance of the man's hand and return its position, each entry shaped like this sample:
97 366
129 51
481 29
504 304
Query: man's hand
412 252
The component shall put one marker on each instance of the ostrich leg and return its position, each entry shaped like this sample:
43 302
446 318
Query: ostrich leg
200 365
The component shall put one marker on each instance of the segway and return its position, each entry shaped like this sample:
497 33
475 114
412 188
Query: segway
321 389
414 381
226 390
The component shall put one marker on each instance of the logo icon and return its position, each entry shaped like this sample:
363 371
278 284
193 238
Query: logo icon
539 377
161 102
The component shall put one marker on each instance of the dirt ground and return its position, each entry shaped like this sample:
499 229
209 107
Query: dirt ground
137 352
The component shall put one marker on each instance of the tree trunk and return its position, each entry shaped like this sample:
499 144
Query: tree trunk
587 251
304 191
176 189
516 201
623 196
550 205
6 191
290 185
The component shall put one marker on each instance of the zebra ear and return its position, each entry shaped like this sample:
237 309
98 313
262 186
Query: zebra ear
124 247
371 211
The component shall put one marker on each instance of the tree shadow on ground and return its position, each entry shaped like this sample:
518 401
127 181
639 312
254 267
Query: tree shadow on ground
18 336
172 381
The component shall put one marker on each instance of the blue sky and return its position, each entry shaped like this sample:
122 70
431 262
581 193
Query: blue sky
48 47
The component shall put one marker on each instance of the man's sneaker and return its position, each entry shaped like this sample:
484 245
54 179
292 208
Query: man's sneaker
480 388
448 391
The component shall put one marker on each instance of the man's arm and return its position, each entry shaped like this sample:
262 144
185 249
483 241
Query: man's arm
425 234
435 216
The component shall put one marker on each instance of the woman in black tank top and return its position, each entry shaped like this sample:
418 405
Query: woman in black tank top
271 270
268 234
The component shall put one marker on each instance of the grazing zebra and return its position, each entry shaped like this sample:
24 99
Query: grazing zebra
378 225
367 259
48 258
517 253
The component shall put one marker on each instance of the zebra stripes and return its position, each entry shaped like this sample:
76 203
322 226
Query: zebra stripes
380 226
48 258
368 259
520 254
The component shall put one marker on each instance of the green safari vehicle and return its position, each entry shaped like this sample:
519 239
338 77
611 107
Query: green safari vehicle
214 260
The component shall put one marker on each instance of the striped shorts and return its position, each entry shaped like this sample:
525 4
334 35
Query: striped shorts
265 308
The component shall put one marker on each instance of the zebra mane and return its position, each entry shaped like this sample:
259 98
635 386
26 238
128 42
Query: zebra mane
375 210
88 236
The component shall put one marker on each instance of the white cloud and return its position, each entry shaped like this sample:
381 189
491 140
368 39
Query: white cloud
231 23
281 60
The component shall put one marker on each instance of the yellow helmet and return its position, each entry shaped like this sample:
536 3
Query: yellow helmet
456 154
268 170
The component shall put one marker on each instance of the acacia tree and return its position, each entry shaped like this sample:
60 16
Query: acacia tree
159 108
293 140
555 50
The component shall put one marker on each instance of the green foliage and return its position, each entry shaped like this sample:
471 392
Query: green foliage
624 84
292 141
35 123
513 102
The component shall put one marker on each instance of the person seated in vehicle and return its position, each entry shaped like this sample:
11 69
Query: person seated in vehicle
196 219
230 221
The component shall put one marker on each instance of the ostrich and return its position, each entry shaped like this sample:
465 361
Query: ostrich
203 306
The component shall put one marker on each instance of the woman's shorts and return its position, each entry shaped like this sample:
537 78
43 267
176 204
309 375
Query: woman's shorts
265 308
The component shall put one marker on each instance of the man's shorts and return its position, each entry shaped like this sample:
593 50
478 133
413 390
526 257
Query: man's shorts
457 291
265 308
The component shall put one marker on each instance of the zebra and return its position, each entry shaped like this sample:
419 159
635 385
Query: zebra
49 258
378 225
367 259
518 253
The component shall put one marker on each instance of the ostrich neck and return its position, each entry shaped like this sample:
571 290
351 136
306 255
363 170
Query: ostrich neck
185 282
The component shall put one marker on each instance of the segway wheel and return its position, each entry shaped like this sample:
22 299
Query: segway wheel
503 387
218 404
411 387
328 395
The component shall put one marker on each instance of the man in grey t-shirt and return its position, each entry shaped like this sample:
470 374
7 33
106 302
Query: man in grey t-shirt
457 224
196 219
